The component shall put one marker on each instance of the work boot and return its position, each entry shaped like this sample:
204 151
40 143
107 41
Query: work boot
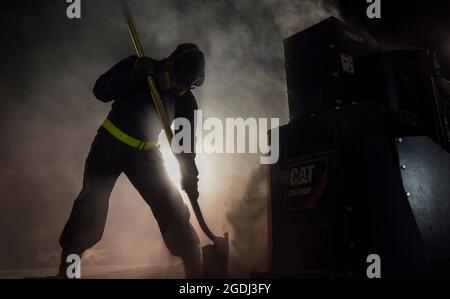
193 266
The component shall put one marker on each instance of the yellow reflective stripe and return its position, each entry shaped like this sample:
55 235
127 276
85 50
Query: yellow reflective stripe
167 77
149 144
168 84
183 92
127 139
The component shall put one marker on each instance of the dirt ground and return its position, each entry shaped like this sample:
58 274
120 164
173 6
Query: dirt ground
102 272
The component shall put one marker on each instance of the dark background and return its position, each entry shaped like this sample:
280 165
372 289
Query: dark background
406 23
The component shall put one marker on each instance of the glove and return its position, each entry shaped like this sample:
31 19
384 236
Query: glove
189 175
189 184
143 67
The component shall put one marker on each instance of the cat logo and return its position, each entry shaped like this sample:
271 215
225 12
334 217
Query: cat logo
306 181
301 176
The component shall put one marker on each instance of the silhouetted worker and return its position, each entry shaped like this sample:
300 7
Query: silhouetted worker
127 142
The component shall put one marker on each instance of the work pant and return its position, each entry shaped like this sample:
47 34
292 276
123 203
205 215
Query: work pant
107 159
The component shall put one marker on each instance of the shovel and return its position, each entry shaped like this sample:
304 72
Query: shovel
215 256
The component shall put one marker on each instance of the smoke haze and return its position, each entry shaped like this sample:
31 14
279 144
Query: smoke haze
49 117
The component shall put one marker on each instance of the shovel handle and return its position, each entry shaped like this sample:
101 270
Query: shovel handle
160 109
201 220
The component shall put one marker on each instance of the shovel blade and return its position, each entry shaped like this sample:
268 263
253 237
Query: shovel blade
215 258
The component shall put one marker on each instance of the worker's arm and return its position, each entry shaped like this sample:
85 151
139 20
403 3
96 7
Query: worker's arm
116 82
185 108
125 77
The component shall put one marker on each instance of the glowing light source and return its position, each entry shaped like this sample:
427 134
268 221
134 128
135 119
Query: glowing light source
170 162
